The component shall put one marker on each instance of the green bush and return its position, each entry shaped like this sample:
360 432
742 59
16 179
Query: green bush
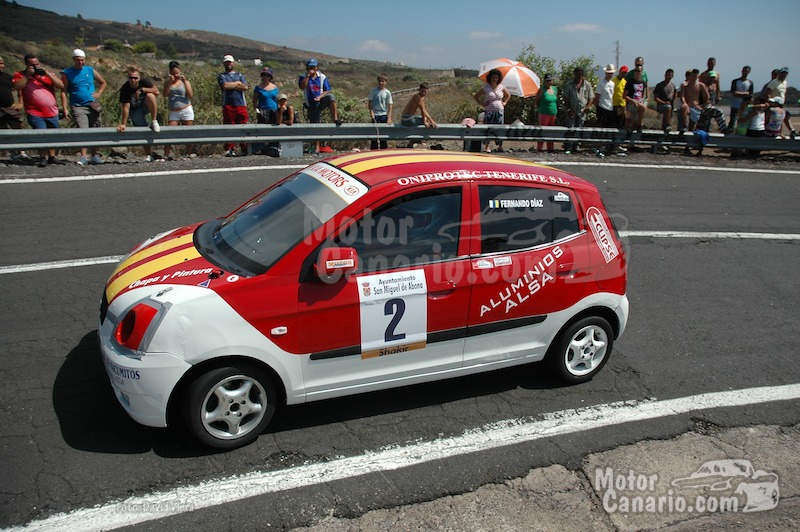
144 47
114 45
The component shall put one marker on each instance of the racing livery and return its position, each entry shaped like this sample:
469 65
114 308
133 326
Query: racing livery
364 272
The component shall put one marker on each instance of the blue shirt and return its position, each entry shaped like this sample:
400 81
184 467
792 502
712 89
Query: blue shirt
234 98
315 87
81 85
266 99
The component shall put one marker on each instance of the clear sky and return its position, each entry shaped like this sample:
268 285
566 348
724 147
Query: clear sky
678 34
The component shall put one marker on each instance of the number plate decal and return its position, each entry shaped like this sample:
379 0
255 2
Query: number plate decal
394 313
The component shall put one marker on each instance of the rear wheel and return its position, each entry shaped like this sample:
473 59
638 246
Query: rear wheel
582 350
229 407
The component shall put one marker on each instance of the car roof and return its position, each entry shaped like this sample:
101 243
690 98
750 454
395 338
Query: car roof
404 168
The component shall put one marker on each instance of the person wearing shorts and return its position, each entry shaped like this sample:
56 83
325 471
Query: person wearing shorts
178 92
83 85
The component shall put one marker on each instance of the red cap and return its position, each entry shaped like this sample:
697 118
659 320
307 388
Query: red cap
623 69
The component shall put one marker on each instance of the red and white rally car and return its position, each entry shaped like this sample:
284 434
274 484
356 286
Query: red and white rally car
364 272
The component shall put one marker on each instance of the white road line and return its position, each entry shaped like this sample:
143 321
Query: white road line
23 180
712 234
161 504
20 180
112 259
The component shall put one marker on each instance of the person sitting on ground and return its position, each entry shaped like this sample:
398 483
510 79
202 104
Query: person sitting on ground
285 112
410 117
138 99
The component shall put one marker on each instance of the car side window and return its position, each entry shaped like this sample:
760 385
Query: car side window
515 218
413 229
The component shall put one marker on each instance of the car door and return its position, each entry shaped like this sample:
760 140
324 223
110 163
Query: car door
529 260
401 317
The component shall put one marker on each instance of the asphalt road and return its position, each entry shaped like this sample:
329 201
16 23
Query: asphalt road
707 315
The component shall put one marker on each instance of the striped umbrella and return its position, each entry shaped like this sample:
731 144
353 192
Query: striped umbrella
518 79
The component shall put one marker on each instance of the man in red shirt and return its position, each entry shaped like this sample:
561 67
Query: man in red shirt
38 89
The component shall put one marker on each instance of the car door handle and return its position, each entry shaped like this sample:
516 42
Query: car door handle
440 290
565 269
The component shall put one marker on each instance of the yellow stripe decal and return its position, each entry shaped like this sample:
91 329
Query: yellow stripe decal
149 268
373 164
153 250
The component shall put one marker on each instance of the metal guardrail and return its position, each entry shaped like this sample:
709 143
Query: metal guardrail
107 137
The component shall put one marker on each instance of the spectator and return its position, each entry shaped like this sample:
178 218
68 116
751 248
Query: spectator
683 112
380 104
546 103
10 115
773 75
636 98
84 107
493 97
756 120
138 97
234 106
317 96
179 93
664 94
38 89
694 97
638 62
604 98
578 97
317 93
710 78
286 112
777 87
265 99
619 96
773 118
417 103
741 88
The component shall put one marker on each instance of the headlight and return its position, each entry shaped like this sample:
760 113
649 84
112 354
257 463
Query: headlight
136 328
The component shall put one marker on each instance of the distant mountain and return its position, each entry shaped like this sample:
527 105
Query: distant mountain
41 26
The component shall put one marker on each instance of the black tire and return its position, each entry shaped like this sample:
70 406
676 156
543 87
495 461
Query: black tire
581 350
248 406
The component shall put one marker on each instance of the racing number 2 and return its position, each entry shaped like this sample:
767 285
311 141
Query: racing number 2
395 308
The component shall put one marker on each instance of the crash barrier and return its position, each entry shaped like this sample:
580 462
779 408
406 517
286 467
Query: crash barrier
107 137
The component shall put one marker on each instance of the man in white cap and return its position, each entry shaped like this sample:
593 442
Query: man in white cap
84 85
234 106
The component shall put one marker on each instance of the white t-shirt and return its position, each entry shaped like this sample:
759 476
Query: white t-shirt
605 88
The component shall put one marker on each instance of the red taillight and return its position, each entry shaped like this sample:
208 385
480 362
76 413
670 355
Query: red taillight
131 329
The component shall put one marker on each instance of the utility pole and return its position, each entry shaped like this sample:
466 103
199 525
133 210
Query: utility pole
616 53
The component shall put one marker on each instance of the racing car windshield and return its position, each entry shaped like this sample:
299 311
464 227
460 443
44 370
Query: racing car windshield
254 237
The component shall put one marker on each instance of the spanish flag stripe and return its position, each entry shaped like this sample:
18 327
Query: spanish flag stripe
149 268
152 250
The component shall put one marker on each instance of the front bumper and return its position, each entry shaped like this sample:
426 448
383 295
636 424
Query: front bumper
142 385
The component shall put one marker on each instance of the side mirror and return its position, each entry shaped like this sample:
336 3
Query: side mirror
334 263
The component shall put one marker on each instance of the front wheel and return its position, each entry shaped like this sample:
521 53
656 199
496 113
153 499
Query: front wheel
229 407
582 350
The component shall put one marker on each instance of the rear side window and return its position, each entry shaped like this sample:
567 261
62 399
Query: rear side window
515 218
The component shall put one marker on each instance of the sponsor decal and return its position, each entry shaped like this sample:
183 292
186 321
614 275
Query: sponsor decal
601 234
341 263
344 185
118 374
482 264
205 284
515 203
502 261
522 289
481 174
232 278
170 276
561 197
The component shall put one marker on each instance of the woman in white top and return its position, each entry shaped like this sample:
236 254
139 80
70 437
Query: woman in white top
493 97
